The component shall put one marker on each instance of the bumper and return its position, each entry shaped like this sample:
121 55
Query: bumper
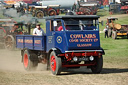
122 34
84 51
75 51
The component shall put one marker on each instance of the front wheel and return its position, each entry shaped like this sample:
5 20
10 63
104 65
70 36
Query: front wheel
55 63
30 60
99 64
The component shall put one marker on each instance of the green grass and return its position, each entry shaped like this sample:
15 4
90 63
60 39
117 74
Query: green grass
116 51
102 12
116 48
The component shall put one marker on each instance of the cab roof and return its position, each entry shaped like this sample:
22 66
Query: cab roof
73 17
123 0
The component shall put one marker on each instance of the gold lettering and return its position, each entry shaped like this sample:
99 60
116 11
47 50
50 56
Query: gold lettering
84 45
95 40
28 41
73 40
86 40
71 36
82 36
37 41
20 40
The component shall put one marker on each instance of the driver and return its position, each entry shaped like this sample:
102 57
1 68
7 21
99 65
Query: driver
61 28
90 26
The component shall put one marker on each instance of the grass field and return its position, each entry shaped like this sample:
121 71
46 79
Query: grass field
116 51
102 12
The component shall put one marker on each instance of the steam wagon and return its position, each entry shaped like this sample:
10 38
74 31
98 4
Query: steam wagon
77 44
115 29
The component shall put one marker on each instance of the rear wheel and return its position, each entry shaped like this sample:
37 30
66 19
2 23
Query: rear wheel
9 42
30 60
55 63
127 36
127 12
114 34
99 64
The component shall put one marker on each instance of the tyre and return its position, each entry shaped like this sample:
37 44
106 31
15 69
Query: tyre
109 32
9 42
40 14
52 12
127 12
55 63
99 64
30 61
127 36
114 35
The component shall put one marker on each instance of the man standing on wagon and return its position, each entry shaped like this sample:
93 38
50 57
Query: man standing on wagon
38 31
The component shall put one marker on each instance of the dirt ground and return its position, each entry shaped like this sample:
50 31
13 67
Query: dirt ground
13 73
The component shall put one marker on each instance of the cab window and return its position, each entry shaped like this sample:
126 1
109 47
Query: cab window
57 25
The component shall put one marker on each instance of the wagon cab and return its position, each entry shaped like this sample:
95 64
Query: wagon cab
77 32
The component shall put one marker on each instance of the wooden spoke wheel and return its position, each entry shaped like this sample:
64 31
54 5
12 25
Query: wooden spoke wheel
52 12
40 14
9 42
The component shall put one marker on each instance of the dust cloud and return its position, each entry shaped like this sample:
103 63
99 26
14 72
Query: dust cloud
11 61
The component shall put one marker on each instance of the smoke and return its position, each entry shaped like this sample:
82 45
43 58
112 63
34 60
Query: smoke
19 17
10 13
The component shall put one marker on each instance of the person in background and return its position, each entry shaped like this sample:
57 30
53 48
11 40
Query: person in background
38 31
106 32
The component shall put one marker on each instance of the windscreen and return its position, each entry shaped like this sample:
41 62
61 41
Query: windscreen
81 24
